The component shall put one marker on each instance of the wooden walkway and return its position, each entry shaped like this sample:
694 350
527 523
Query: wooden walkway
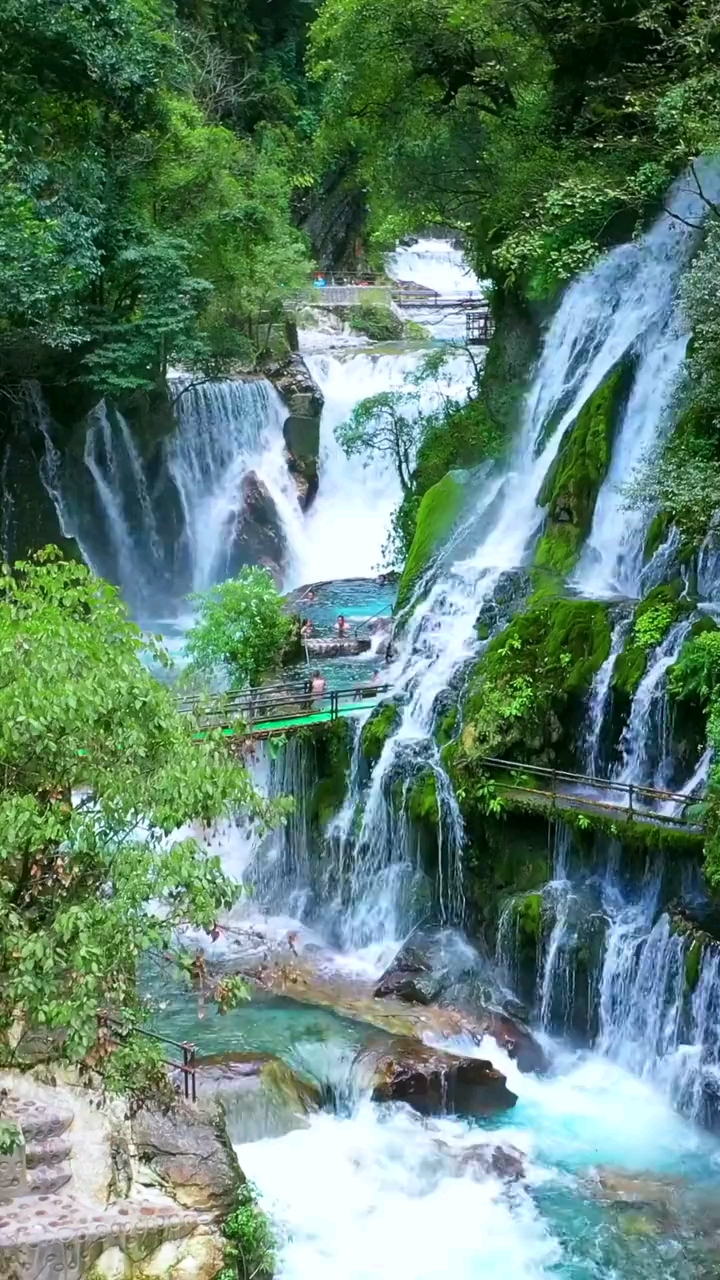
540 787
278 709
282 709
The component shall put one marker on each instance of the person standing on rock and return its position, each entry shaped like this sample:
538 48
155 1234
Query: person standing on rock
342 625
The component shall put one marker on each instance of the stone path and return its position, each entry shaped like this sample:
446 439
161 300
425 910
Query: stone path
46 1233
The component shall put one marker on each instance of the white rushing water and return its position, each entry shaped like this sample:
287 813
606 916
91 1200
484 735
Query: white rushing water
612 558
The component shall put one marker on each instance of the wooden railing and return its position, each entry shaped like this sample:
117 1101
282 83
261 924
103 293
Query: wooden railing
260 711
559 785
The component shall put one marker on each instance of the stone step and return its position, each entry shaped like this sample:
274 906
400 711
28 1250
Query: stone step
47 1152
46 1236
38 1123
48 1180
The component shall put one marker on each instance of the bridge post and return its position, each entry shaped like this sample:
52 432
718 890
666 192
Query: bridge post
630 802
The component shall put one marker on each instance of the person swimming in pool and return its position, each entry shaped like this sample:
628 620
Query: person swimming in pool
342 626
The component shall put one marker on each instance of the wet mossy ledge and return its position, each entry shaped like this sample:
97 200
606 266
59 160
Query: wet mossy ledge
572 484
331 745
652 620
437 514
375 732
525 696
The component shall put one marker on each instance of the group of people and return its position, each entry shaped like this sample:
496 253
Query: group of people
342 626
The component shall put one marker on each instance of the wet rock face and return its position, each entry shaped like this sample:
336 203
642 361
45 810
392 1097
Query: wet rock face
511 590
415 978
301 430
258 537
189 1153
434 1082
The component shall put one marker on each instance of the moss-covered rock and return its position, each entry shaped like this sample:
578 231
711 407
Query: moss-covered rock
437 514
652 620
422 799
332 746
375 732
658 530
525 696
571 486
377 322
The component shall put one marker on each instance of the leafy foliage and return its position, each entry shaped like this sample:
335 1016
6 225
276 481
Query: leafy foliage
97 770
387 425
242 628
250 1249
140 225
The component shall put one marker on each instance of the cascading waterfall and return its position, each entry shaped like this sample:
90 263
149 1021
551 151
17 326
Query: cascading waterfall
612 558
600 697
645 743
225 430
170 523
346 528
624 307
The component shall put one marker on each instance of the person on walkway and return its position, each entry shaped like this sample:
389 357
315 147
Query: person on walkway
318 684
342 625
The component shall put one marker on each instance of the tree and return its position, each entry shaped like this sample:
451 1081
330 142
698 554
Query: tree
242 628
388 425
97 769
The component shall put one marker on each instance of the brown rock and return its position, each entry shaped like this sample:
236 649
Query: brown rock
435 1082
518 1042
258 537
188 1150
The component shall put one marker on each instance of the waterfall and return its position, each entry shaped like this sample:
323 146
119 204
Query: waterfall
617 309
649 1023
113 460
612 558
599 697
645 742
168 522
345 530
225 430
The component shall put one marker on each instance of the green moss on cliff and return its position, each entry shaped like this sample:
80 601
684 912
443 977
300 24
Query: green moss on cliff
437 514
422 800
332 745
653 619
382 723
571 486
657 533
460 439
525 694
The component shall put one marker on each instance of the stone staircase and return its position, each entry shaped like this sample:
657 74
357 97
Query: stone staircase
47 1233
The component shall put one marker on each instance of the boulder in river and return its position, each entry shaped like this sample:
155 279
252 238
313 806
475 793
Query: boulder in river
301 429
415 977
483 1159
188 1152
433 1081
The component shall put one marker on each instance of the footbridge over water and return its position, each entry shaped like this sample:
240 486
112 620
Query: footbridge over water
277 709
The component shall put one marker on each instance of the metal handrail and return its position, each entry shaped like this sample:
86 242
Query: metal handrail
261 708
634 791
188 1066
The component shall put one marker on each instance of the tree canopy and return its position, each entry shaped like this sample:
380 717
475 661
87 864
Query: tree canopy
241 630
98 769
